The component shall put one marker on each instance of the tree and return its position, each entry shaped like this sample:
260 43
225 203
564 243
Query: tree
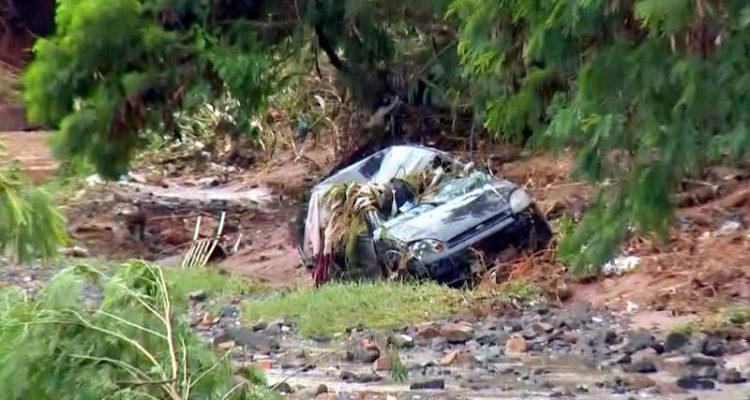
30 226
113 70
648 91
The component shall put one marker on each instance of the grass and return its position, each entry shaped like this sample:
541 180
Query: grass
725 317
333 308
212 281
522 290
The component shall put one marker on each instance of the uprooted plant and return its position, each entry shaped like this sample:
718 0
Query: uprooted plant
129 346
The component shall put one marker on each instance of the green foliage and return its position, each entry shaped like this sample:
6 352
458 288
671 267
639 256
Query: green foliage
30 226
334 307
113 71
129 346
648 91
397 370
522 290
214 282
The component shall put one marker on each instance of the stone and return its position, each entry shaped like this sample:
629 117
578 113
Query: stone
198 295
367 378
363 355
458 357
647 353
457 333
513 326
639 340
347 376
283 388
402 341
208 319
516 345
732 377
543 327
383 363
428 332
637 381
229 311
252 340
675 341
321 338
608 337
706 372
713 347
698 360
572 337
260 326
643 366
691 382
432 384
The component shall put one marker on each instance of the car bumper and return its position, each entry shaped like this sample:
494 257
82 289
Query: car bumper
454 266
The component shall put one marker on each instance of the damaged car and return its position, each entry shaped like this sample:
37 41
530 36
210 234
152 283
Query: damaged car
410 210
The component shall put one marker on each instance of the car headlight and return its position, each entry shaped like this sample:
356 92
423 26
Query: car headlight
520 200
427 246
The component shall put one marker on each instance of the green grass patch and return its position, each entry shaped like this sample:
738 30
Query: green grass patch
333 308
522 290
183 281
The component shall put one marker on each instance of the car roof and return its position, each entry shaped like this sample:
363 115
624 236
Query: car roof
353 173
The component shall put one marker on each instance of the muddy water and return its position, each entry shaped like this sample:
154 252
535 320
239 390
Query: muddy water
564 376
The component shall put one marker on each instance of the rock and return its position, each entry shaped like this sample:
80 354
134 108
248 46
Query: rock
572 337
643 366
637 381
367 378
639 340
516 345
543 327
513 326
260 326
698 360
252 340
402 341
675 341
198 295
362 354
383 363
647 353
608 337
706 372
76 252
347 376
428 332
208 319
458 357
283 388
321 338
529 334
229 311
456 333
731 376
432 384
713 347
624 359
691 382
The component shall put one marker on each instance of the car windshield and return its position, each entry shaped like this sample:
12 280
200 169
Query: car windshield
450 188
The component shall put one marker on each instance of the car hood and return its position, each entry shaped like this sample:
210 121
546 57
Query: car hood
447 220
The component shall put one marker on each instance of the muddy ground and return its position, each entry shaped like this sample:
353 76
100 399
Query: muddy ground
582 346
